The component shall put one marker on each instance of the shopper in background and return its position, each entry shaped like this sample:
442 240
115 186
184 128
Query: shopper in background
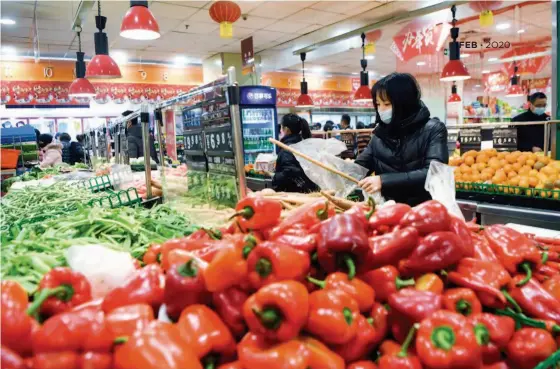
134 139
531 137
65 139
363 138
40 152
404 143
52 151
348 138
329 126
289 176
72 151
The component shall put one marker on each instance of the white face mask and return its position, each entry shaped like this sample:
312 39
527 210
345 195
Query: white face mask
386 115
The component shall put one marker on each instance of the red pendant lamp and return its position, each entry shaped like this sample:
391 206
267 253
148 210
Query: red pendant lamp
139 23
454 95
81 87
363 93
515 88
102 65
454 70
304 100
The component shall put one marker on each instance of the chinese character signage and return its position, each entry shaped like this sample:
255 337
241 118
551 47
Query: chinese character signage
528 65
247 55
419 38
258 95
496 82
170 134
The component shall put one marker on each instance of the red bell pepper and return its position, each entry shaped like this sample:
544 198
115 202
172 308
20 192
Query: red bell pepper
436 251
364 364
152 255
428 217
379 319
402 359
529 346
486 278
255 213
306 216
16 326
82 330
155 347
229 305
255 352
429 282
343 242
366 338
10 359
55 360
277 311
299 238
446 341
389 248
482 249
497 365
232 365
385 281
60 290
462 301
333 316
206 334
184 286
231 259
552 286
95 360
122 322
415 305
146 286
358 289
388 216
492 332
514 250
185 244
459 227
534 299
320 356
270 262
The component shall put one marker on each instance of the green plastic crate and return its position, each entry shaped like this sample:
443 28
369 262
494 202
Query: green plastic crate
118 199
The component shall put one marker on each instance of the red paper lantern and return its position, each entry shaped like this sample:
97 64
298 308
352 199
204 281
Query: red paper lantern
486 18
371 38
225 13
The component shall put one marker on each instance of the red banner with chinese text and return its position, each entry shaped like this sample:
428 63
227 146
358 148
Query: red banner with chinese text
419 38
288 97
170 134
496 82
530 65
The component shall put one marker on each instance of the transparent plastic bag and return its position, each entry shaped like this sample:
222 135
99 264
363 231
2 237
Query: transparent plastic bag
440 183
325 151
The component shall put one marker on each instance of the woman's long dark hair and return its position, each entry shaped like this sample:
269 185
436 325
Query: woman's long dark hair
297 125
402 90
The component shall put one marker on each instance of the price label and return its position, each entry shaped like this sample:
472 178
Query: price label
194 141
219 140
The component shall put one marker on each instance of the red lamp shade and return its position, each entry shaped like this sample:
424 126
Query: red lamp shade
102 66
514 91
81 87
304 100
363 94
139 22
454 70
454 98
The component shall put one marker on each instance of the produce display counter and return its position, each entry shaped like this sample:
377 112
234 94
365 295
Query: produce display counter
489 213
257 184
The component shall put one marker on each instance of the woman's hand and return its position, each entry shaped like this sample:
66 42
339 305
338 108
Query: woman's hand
371 184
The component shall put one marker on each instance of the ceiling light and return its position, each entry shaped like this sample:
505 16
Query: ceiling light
454 95
502 26
370 57
355 73
329 76
363 93
421 63
102 65
81 87
515 88
180 60
7 21
520 31
139 23
119 57
317 70
485 71
465 55
454 70
492 59
8 50
476 85
304 100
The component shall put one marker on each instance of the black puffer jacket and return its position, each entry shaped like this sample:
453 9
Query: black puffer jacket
401 155
289 175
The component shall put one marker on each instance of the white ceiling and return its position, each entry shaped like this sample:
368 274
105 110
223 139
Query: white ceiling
278 28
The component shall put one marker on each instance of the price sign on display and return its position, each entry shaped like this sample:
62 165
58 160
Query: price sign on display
194 142
222 189
219 140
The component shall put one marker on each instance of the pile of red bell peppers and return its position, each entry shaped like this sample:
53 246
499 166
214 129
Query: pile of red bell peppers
389 288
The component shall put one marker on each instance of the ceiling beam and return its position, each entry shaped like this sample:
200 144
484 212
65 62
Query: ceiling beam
84 7
379 24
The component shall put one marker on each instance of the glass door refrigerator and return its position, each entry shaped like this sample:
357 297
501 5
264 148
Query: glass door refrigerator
259 123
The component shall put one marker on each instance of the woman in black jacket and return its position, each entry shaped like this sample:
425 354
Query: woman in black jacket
404 143
289 176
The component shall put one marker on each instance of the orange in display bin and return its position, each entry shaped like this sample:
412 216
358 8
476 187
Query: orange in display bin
9 158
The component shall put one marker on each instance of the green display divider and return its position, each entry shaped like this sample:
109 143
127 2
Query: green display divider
118 199
493 189
222 190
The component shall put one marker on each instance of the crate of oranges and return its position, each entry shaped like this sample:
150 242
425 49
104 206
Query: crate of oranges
510 173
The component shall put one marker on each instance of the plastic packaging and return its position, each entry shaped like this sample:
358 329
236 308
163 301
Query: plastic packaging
440 183
104 268
325 151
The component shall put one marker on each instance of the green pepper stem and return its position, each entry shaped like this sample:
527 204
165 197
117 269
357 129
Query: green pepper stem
348 315
522 319
250 243
188 269
482 335
120 340
314 257
247 213
263 267
63 292
270 318
408 340
323 213
512 301
210 362
550 361
443 337
370 320
463 307
215 235
316 282
371 204
544 258
350 265
528 274
402 283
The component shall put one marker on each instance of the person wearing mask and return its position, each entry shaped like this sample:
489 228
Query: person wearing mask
404 143
363 138
289 176
348 138
51 151
134 139
531 137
